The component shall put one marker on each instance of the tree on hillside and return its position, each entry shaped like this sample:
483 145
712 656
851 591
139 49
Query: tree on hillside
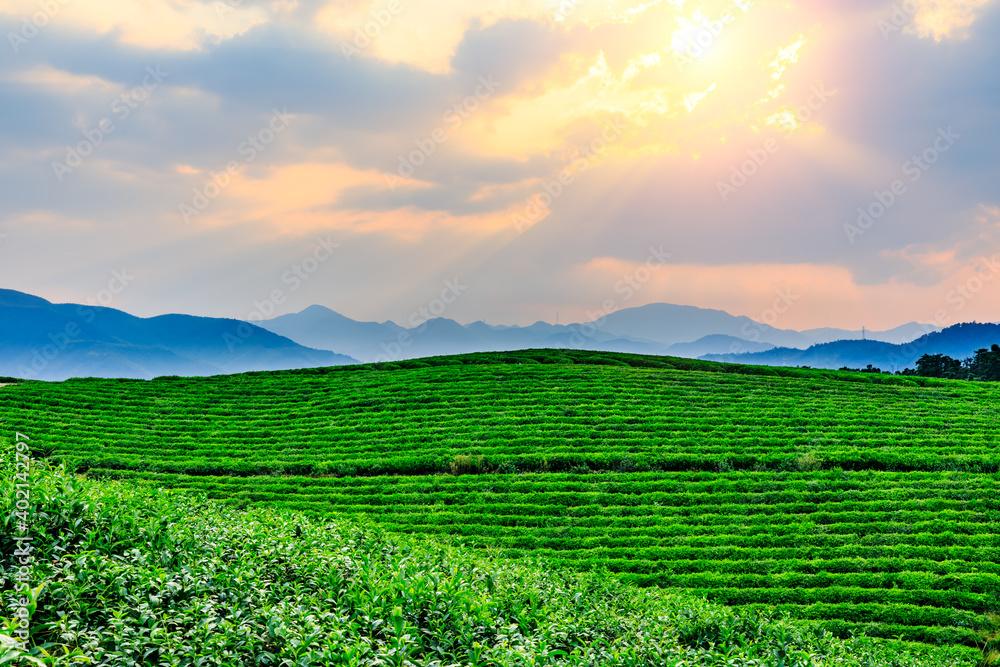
940 366
985 365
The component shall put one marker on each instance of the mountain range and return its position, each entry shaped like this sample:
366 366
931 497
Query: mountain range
42 340
658 328
45 341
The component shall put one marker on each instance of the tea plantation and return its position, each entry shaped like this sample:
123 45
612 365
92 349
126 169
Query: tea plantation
867 503
125 576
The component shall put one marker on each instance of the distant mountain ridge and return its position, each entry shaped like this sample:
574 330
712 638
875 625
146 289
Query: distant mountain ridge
45 341
658 328
42 340
959 341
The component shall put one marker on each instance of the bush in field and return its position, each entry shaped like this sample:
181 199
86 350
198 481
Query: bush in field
807 462
463 464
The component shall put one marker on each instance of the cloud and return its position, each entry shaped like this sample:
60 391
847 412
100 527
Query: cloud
942 19
518 53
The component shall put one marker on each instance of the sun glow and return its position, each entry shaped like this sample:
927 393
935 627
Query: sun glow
696 35
711 51
686 79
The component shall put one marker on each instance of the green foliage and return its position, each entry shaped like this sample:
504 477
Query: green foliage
984 365
165 578
465 465
940 366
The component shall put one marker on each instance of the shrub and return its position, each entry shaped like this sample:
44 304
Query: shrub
463 464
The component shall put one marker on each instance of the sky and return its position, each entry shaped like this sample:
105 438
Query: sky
806 164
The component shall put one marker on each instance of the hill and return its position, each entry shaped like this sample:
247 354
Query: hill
120 576
959 341
868 503
45 341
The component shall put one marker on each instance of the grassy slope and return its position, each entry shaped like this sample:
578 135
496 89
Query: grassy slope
868 501
139 578
584 411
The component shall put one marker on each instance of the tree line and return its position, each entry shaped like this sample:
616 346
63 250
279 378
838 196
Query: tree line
984 365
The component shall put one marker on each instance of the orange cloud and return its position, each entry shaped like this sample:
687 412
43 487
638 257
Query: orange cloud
291 197
302 198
